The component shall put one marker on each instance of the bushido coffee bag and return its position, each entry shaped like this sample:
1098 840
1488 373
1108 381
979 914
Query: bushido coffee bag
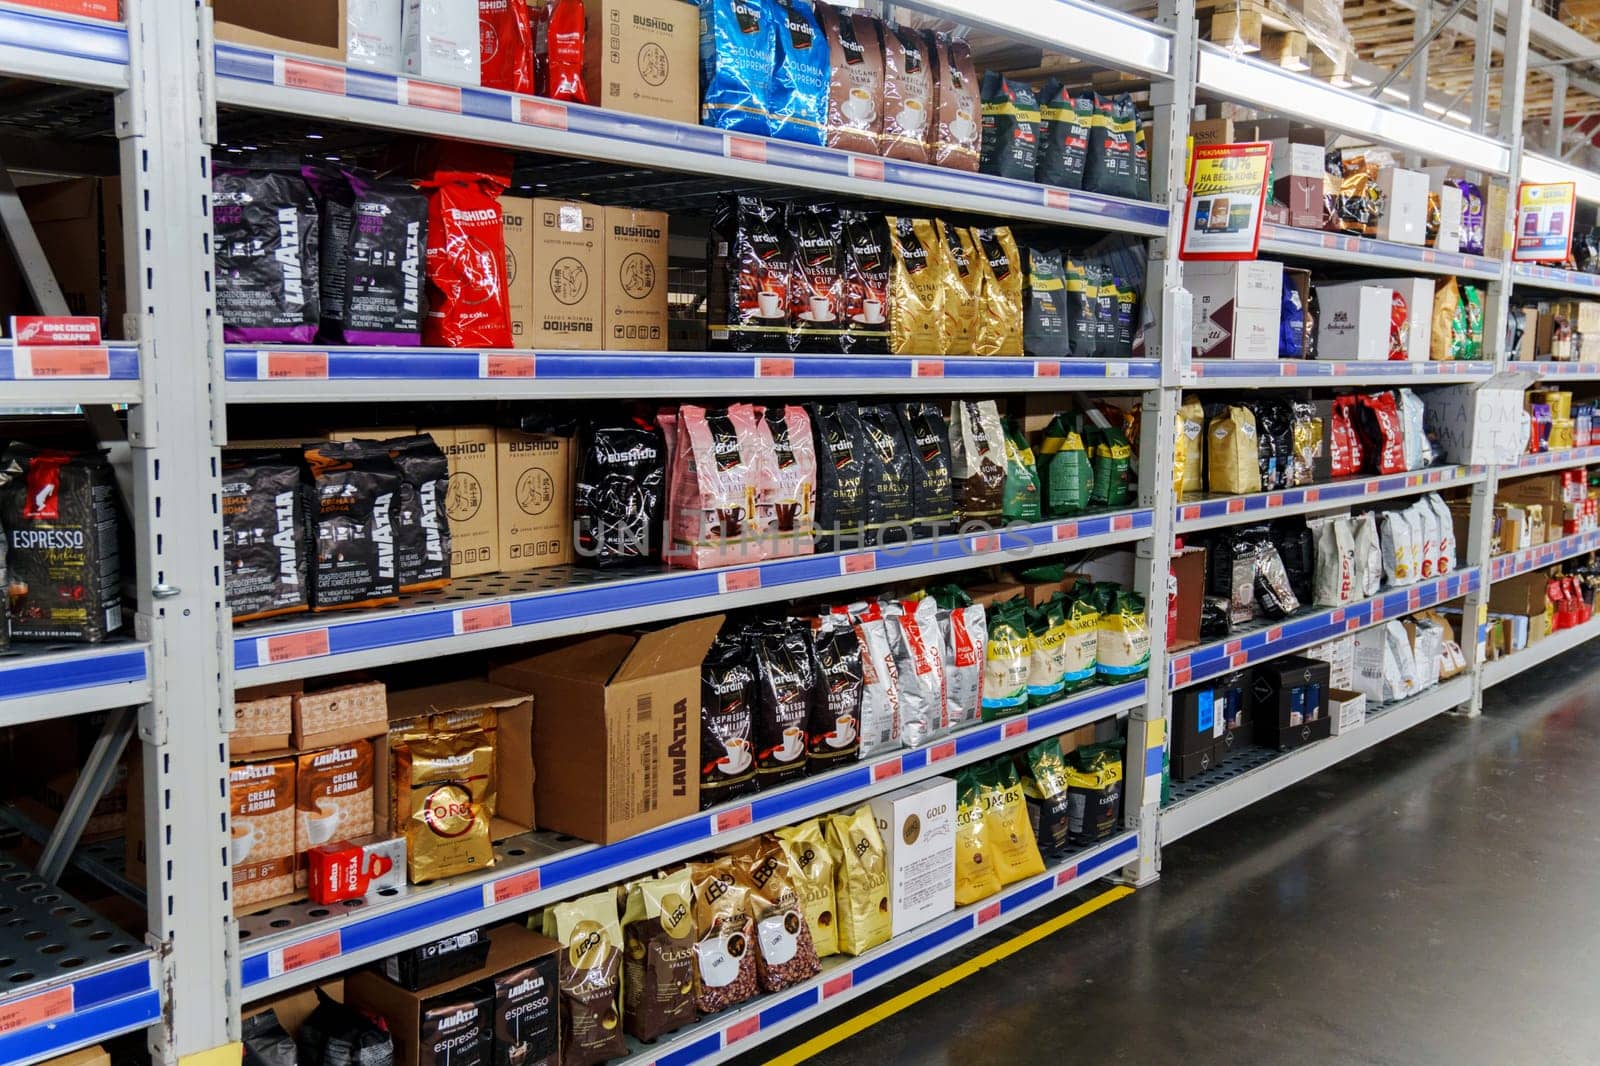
1010 128
590 977
1000 285
833 735
725 949
959 276
263 536
799 91
815 289
955 135
887 476
621 485
356 497
468 296
505 46
561 75
977 461
1110 164
864 282
747 302
727 720
855 89
738 47
422 527
265 226
1044 306
908 95
1065 120
374 235
658 963
58 513
917 290
786 679
925 430
841 463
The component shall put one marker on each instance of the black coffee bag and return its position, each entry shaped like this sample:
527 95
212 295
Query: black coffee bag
265 228
621 485
887 476
833 736
747 302
264 549
841 464
356 491
786 680
1010 128
1044 305
1064 124
928 436
864 285
727 720
1109 167
422 526
374 237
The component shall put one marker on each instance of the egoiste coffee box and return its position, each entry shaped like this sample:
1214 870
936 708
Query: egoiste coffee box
918 826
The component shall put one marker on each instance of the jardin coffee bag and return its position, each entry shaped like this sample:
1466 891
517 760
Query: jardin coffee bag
833 731
841 461
977 461
786 483
738 48
263 544
907 95
1065 121
863 304
265 227
1000 285
725 953
926 433
589 976
618 504
917 288
422 526
716 464
1010 128
747 305
658 962
815 288
887 476
955 135
356 489
799 93
855 88
1044 308
786 682
958 270
727 721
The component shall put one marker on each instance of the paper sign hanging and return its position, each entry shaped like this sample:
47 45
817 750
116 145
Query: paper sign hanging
1544 221
1227 196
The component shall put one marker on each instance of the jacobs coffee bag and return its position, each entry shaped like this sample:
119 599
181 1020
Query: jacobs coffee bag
1000 285
855 87
747 305
955 134
907 95
917 287
864 282
1044 315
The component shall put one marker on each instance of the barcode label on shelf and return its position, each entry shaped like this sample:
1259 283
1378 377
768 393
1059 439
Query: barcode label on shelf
431 95
738 818
739 580
281 366
515 886
1116 370
46 364
36 1010
866 169
491 365
295 73
541 113
306 953
288 647
481 619
774 368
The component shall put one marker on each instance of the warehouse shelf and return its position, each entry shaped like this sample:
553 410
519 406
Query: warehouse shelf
62 376
329 375
1542 555
1278 91
1255 773
490 612
1543 168
1213 511
1550 370
1271 639
71 977
39 681
843 978
1559 643
292 944
87 52
312 89
1535 276
1383 255
1077 27
1562 459
1285 373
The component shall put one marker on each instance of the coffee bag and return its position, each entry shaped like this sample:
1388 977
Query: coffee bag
840 448
959 274
955 135
917 288
798 98
1010 128
907 94
658 961
977 461
999 329
263 537
590 976
727 721
444 800
356 488
855 88
864 283
815 286
738 47
747 302
1045 295
861 880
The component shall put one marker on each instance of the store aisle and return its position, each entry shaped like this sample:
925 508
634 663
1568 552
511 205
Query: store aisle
1431 901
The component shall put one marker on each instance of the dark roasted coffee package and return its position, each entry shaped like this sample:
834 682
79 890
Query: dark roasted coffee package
855 92
833 734
1044 305
815 288
747 303
738 47
864 282
1082 308
265 228
955 134
469 300
786 680
922 422
727 720
525 1014
263 537
589 978
977 461
1109 166
888 476
799 93
266 1042
422 526
337 1035
1064 124
355 492
619 500
383 264
1010 128
908 95
456 1029
658 961
841 462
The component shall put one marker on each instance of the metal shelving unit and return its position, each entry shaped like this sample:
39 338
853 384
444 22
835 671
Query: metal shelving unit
1508 666
1211 512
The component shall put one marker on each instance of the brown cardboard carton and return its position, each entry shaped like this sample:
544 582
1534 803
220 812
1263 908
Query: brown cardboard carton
1542 492
261 805
89 1056
69 217
372 433
517 224
992 592
263 717
333 798
339 715
636 280
568 274
534 476
308 27
1212 131
1525 594
643 57
293 1008
1189 583
616 737
470 499
510 946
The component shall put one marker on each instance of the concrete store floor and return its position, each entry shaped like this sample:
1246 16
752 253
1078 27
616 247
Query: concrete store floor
1434 900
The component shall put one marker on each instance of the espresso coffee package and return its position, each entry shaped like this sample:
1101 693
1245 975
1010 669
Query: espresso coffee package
786 681
880 681
907 94
747 301
658 961
1082 308
263 537
738 48
717 463
1044 308
917 288
833 733
336 1034
443 792
815 286
977 461
266 233
955 134
725 949
786 483
785 955
798 96
864 282
356 491
913 628
374 234
469 299
619 500
457 1028
1000 285
1065 120
887 476
1010 128
923 425
1109 165
590 978
841 462
959 276
526 1014
855 88
422 526
811 871
727 721
861 881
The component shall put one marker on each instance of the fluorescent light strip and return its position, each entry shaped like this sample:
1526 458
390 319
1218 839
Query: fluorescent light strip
1072 26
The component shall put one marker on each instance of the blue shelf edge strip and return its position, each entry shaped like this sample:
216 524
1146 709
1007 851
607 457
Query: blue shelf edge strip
1338 368
104 1005
43 676
1334 492
91 39
122 361
388 629
1077 710
255 65
1533 274
1317 242
1521 562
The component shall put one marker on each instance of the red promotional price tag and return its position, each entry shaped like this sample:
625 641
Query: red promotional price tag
506 366
1429 255
866 169
834 985
1377 610
1232 646
287 647
1274 501
35 1010
1063 876
318 77
860 563
1235 506
1015 727
1056 199
744 148
1312 495
739 1030
1121 521
48 363
481 619
544 113
1189 513
988 914
740 580
942 751
1274 634
515 886
981 545
1239 659
737 818
927 368
282 366
1336 616
1352 244
306 953
1065 531
1046 369
89 9
886 769
775 368
1414 598
432 96
1371 488
1290 370
1181 674
34 331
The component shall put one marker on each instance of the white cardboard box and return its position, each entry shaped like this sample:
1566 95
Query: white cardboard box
1418 295
918 826
374 36
1353 322
440 40
1347 710
1480 425
1405 207
1450 205
1340 655
1237 306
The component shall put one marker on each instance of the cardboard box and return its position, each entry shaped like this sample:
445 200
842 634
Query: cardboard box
44 802
89 1056
918 826
1524 594
375 35
1448 238
1354 321
471 498
307 27
534 474
73 221
1297 176
635 292
616 740
294 1007
340 715
516 214
512 947
1237 306
371 433
1588 320
262 808
1479 425
992 592
643 57
1346 711
1418 295
1497 219
1197 731
568 268
1211 131
1405 212
439 41
1340 655
263 717
1189 591
1289 701
1541 497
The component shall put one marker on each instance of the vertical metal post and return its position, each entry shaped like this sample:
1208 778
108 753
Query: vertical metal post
1421 34
161 124
1147 726
1558 110
1482 59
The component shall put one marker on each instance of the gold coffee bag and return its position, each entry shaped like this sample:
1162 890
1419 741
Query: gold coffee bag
811 869
444 799
916 290
861 880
